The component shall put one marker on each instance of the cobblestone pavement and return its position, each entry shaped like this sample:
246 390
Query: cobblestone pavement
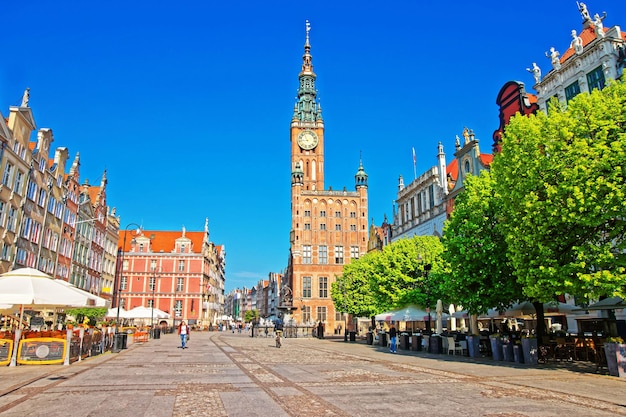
226 374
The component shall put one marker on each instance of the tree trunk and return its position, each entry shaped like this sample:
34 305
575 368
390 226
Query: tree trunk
541 323
474 324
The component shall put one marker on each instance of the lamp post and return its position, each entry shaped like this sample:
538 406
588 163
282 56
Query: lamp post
153 285
425 274
117 343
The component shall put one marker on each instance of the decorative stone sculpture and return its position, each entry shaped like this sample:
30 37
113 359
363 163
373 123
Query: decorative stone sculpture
577 43
598 25
582 8
554 57
535 71
26 97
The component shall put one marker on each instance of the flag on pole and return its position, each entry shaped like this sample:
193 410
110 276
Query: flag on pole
414 162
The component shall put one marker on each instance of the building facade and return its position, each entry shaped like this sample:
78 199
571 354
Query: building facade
47 220
594 56
328 228
181 273
423 206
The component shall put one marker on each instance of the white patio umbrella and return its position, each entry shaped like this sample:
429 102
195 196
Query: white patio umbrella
28 287
97 301
142 312
112 312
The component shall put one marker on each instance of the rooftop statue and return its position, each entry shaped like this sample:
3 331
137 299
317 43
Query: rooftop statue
26 97
582 8
554 57
535 71
577 43
598 25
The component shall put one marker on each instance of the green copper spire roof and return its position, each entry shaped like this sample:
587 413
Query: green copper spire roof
361 176
307 109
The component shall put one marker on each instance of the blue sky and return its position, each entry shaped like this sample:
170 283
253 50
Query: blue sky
187 105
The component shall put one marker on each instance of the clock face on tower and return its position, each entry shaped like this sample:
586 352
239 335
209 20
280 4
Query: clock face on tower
307 139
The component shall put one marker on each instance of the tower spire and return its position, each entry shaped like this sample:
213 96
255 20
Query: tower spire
307 108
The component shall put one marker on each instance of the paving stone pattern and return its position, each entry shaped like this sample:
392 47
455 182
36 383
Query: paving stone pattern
226 374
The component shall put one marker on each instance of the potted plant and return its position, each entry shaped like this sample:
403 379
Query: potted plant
473 345
530 349
496 346
612 347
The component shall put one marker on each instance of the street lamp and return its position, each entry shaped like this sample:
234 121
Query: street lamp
119 285
425 274
154 284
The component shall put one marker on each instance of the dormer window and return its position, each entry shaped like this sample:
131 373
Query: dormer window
182 248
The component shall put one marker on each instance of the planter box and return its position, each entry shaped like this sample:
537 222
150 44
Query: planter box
616 359
496 348
530 350
507 352
473 346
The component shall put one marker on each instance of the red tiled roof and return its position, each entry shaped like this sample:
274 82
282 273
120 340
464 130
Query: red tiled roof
163 240
587 35
93 194
452 170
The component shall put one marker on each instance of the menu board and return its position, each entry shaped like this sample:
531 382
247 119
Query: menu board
42 350
6 349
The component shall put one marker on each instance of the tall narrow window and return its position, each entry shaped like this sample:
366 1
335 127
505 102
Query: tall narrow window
181 265
8 174
306 287
572 91
124 283
321 313
180 284
339 255
306 314
153 265
323 254
19 182
323 287
306 254
178 308
152 283
595 79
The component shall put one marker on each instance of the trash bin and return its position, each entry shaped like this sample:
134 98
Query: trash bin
435 344
156 333
518 354
353 336
119 342
507 352
405 343
416 342
370 338
382 339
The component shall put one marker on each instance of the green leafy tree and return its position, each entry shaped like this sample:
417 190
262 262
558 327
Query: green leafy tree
561 178
251 316
479 274
351 292
401 273
94 314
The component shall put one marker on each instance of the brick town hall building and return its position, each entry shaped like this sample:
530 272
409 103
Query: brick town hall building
328 228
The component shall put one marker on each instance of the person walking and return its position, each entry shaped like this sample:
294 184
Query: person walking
392 338
183 332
